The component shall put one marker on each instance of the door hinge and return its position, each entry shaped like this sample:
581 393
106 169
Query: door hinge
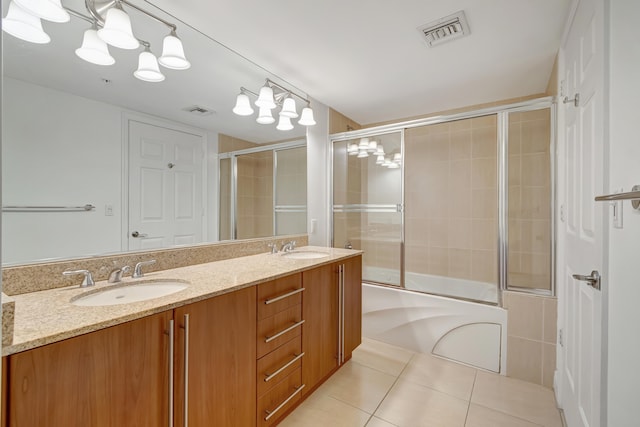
560 337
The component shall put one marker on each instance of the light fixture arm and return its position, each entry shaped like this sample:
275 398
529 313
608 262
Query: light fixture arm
97 8
285 91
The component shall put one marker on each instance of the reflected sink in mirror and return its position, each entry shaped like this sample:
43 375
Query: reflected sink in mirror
126 294
305 255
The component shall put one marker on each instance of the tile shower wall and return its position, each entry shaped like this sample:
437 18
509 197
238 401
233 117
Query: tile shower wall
531 337
451 199
529 182
255 195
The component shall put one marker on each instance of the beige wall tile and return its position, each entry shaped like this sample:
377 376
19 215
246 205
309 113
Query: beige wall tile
484 173
459 234
484 203
550 327
536 169
524 317
438 230
536 203
460 263
484 142
484 266
484 234
524 360
486 121
438 147
460 145
438 261
548 364
536 236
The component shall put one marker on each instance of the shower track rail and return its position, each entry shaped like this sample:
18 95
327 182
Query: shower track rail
393 208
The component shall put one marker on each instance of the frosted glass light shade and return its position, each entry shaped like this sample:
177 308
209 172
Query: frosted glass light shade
243 105
94 49
148 69
379 159
362 154
23 25
51 10
117 30
397 158
352 149
264 116
380 150
306 118
173 53
363 145
265 98
284 123
373 146
289 108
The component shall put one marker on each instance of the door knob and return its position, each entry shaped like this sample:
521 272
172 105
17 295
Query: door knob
136 234
593 280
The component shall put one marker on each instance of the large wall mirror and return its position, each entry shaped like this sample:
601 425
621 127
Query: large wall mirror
158 164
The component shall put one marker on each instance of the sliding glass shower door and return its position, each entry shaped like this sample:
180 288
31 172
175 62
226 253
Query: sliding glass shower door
367 203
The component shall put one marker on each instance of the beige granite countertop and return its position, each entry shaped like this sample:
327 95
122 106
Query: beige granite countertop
48 316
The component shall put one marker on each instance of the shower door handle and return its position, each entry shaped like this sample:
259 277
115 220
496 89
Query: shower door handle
593 280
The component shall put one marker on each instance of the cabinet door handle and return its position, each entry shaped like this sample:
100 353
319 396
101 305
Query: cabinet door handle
275 411
289 363
171 336
290 328
341 314
186 371
287 295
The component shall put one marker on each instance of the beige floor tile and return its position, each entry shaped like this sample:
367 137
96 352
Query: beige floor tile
320 410
377 422
358 386
381 356
439 374
518 398
411 405
479 416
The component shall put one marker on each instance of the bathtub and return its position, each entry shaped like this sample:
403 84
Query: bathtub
471 333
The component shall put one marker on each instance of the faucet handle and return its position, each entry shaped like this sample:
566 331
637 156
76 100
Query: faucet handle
88 278
116 274
137 271
273 247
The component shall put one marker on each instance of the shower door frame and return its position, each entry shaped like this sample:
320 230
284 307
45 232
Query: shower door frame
502 113
233 157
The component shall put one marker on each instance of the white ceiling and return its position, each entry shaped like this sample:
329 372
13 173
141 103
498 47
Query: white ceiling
366 59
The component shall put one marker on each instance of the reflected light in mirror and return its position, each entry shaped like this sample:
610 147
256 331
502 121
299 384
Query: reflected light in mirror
50 10
117 29
94 49
284 123
173 53
306 118
148 69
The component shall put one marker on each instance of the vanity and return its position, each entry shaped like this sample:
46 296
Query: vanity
242 344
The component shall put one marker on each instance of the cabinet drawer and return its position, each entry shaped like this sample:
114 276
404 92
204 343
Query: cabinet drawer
278 295
278 329
280 399
278 364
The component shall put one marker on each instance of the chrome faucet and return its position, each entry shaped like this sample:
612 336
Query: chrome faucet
88 279
137 271
273 247
116 274
288 246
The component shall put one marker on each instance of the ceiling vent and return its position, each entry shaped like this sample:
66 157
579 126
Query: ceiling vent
198 110
445 29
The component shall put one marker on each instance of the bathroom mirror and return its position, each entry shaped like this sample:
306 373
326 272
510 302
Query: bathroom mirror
70 128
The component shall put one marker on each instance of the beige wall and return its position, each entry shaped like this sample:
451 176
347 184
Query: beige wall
340 123
255 195
451 199
529 183
531 337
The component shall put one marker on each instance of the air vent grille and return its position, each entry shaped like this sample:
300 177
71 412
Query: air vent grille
445 29
198 110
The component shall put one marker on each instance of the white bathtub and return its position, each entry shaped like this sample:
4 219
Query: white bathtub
470 333
439 285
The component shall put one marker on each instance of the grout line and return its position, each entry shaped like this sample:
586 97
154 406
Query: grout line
511 415
475 378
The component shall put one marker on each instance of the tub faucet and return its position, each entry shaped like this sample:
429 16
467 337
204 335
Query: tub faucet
88 279
116 274
137 271
288 246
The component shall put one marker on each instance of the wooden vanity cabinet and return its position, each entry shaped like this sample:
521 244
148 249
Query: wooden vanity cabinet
117 376
332 309
220 335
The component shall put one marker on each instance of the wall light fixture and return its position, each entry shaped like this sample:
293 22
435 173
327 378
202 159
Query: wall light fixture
271 96
110 25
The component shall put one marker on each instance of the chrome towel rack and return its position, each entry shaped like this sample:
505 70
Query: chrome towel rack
85 208
633 195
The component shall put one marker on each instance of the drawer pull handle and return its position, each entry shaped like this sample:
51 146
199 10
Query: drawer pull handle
290 328
287 295
272 413
289 363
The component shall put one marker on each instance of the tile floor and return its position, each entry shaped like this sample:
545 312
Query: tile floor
386 386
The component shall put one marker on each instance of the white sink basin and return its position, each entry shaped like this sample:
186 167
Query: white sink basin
305 255
134 292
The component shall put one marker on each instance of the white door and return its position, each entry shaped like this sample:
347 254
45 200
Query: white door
165 187
581 228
